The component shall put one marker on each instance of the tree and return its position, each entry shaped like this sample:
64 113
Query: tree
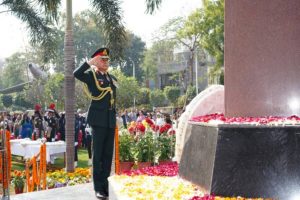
54 90
157 98
37 15
21 102
213 29
160 53
35 93
14 71
7 100
183 33
144 98
82 101
212 38
134 54
172 93
127 89
87 38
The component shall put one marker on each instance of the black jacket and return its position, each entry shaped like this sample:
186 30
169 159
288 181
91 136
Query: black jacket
101 113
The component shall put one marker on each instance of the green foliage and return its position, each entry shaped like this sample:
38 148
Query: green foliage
22 102
87 38
35 93
181 101
18 179
15 70
145 145
128 88
82 101
166 144
172 93
134 55
126 142
144 98
7 100
212 23
37 17
157 98
190 93
160 52
146 107
54 90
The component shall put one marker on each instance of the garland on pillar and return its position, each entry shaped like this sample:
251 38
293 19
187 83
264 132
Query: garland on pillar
43 167
117 160
5 177
38 177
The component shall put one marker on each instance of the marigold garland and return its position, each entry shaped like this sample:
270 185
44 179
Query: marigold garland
34 171
43 166
6 177
8 152
27 176
117 160
38 177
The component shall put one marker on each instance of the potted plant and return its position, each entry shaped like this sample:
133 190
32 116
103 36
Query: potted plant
166 143
126 143
18 181
145 147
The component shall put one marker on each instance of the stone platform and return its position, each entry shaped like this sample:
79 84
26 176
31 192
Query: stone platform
80 192
242 160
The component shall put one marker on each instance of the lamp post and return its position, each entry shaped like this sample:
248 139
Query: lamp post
196 69
133 75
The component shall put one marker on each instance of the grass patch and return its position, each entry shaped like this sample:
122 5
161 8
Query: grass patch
19 164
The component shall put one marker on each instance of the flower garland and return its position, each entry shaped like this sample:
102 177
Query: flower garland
29 179
7 159
43 167
117 159
8 152
37 178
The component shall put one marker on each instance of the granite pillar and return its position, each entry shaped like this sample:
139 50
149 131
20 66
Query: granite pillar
262 57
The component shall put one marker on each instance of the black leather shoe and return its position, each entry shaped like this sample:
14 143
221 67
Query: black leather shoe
101 195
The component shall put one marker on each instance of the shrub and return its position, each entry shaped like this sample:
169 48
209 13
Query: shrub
172 93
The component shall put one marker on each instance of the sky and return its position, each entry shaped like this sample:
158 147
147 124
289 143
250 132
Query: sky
13 34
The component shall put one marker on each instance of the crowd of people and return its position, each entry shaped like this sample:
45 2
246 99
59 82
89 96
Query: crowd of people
47 124
158 117
51 124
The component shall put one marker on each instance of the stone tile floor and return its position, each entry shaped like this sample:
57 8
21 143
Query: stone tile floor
80 192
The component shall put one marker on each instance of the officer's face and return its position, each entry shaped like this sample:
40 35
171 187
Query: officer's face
102 63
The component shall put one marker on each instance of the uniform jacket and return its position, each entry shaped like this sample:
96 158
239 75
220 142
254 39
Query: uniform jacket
101 113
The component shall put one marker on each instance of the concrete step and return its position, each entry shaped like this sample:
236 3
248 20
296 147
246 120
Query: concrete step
80 192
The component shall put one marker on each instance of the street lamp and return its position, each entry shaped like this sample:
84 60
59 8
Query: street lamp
133 75
196 69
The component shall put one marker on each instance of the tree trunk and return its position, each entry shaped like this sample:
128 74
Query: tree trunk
69 62
191 69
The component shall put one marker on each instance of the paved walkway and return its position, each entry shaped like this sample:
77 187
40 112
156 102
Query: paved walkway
80 192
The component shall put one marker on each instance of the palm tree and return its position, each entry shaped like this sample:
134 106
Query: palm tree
37 15
152 5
